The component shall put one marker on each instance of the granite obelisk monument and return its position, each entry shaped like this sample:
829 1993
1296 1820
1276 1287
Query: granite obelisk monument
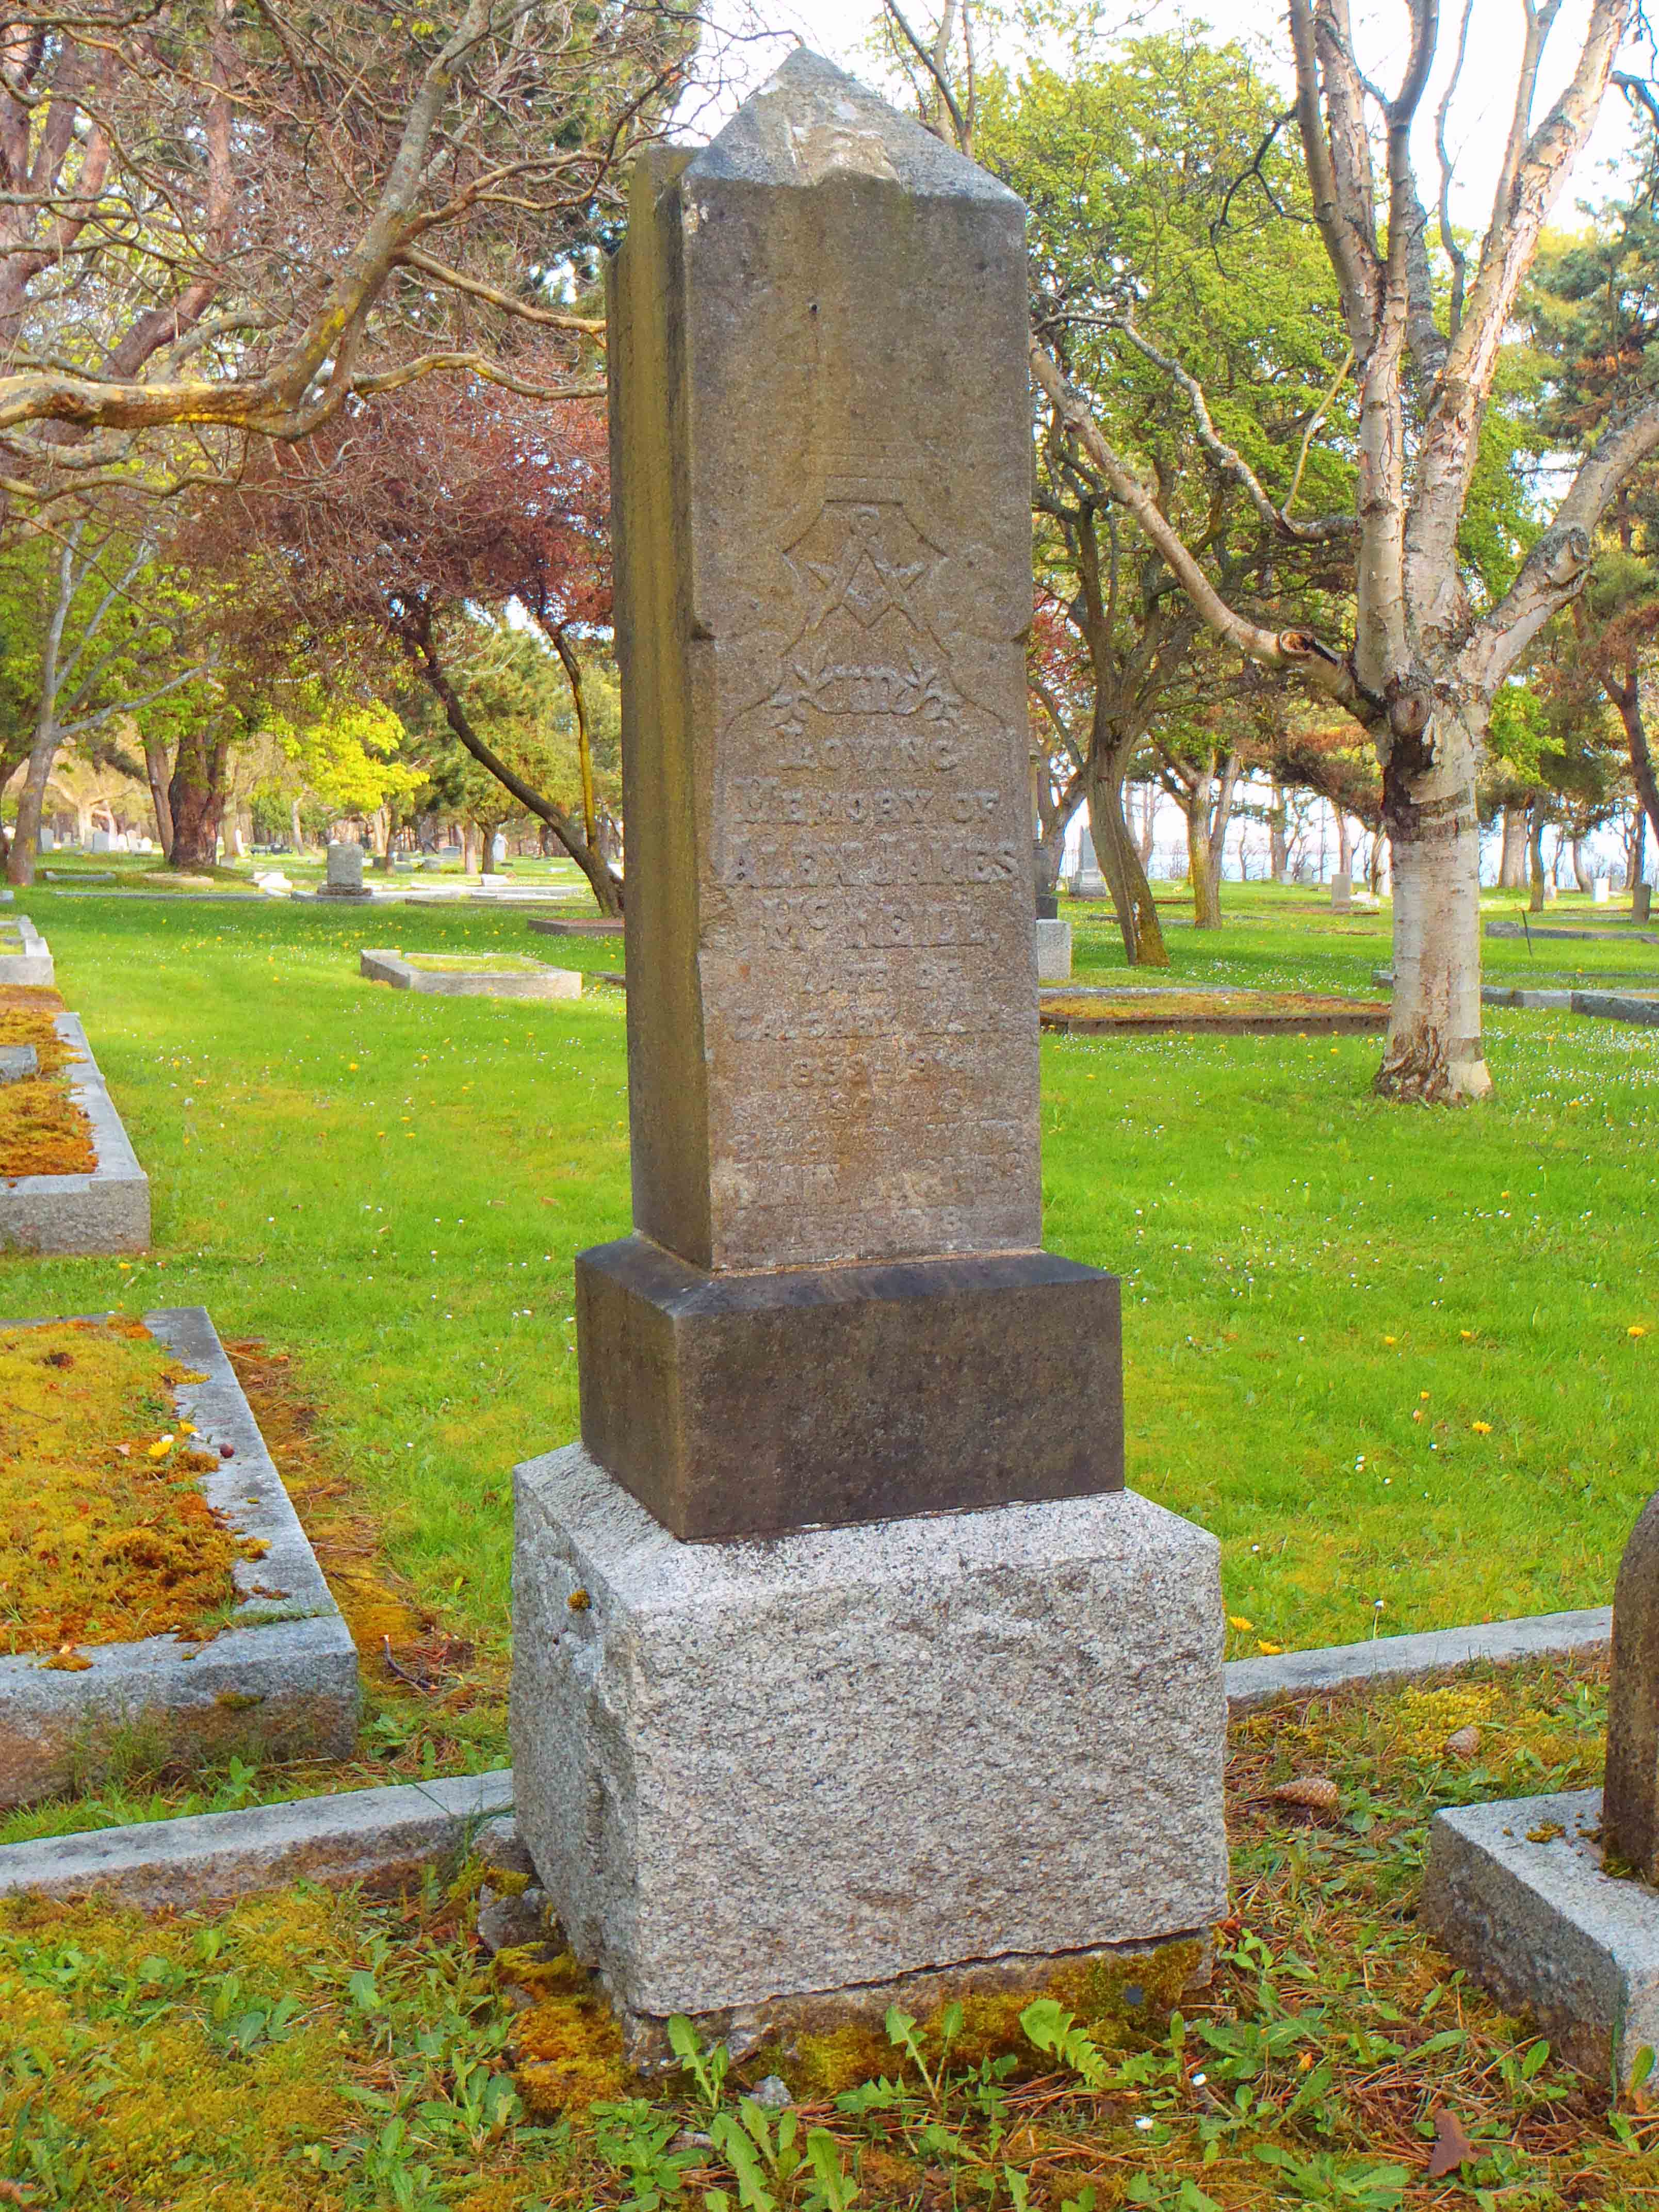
842 1654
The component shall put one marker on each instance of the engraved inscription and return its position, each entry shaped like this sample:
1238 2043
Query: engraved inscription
866 947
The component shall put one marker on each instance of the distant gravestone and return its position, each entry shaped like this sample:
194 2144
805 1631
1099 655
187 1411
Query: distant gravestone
345 876
1341 895
751 1772
1641 903
1600 891
1088 883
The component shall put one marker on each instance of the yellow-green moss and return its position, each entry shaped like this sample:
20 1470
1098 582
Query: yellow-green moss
42 1130
105 1536
567 2047
1103 1993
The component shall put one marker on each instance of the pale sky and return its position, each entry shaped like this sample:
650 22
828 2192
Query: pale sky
1479 119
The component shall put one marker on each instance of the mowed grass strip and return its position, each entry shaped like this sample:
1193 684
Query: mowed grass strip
1387 1355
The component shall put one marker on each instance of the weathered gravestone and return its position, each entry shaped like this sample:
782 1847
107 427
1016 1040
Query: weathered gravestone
1088 883
344 874
1641 902
1552 1902
872 1747
1341 895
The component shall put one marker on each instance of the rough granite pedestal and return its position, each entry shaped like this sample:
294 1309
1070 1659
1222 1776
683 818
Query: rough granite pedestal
773 1781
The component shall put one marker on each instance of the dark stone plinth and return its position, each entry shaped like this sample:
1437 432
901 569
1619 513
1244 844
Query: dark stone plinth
744 1405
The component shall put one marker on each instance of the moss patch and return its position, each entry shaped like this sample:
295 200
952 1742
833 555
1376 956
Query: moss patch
42 1130
105 1536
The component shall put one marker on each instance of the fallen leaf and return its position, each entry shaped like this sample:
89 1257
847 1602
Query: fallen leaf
1545 1832
1314 1791
1464 1742
1451 2145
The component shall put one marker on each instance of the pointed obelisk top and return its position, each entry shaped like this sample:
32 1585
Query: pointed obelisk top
811 120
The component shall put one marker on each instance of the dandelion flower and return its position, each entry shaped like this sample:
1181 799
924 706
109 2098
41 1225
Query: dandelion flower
1481 1428
1636 1328
1269 1650
1237 1620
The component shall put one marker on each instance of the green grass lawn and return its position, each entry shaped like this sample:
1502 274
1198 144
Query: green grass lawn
1397 1360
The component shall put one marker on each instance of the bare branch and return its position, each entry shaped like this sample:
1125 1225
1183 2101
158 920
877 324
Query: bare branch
1327 670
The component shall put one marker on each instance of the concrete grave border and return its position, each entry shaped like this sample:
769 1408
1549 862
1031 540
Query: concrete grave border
284 1679
381 1838
107 1211
1344 1021
596 925
1639 1008
30 967
1516 1893
390 967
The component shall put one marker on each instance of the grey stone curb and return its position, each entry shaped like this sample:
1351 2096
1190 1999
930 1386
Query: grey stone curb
107 1211
382 1838
1641 1008
283 1679
1606 936
1253 1682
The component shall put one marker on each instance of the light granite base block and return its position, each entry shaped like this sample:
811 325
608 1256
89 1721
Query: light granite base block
107 1211
810 1765
280 1681
1517 1894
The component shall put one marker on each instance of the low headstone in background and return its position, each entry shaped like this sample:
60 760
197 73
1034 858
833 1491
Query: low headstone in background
344 878
1600 891
1054 951
1641 903
1341 895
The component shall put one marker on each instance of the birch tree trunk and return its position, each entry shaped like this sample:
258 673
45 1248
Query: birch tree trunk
1433 1052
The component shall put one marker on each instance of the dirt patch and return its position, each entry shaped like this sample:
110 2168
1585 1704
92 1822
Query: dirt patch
42 1130
105 1536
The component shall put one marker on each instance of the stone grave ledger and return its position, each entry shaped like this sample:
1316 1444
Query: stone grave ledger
834 1305
959 1720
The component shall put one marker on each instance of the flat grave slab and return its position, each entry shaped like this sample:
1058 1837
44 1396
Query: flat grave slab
107 1211
493 976
281 1678
1518 1894
1224 1009
1604 936
1640 1008
596 925
25 957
